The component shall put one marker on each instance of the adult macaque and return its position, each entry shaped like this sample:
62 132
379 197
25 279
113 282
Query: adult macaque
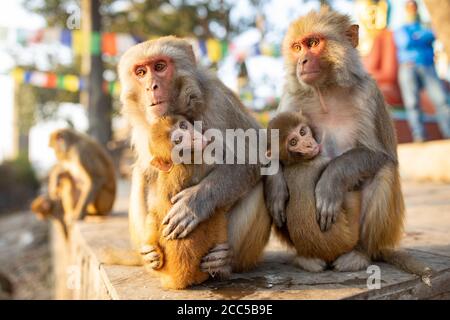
161 78
300 155
178 261
327 82
92 171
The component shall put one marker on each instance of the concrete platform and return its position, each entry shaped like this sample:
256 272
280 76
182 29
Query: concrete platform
427 237
425 162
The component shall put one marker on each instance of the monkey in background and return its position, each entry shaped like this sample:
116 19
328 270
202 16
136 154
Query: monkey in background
302 162
82 182
161 78
178 261
61 196
91 169
325 79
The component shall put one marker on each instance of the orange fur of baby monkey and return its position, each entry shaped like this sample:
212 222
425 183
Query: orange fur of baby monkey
42 206
61 197
182 257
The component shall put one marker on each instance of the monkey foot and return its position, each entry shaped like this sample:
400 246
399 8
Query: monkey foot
310 264
218 261
152 256
351 261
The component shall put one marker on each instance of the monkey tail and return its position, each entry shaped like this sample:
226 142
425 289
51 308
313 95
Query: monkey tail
406 262
123 257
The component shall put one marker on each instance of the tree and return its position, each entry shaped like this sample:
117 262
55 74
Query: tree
197 18
99 102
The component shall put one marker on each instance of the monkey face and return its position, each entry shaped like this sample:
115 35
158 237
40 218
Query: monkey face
153 77
300 142
307 53
172 137
296 139
59 141
319 49
185 137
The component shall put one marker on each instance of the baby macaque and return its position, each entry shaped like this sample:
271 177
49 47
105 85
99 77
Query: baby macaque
178 261
43 206
60 198
303 164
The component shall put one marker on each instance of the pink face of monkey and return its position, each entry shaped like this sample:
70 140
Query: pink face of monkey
185 137
300 142
173 138
307 53
154 77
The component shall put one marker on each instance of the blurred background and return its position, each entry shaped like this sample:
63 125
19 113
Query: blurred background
58 68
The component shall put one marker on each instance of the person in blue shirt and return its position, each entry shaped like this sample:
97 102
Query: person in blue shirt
416 71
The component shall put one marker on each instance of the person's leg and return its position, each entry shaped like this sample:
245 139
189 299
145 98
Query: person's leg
437 94
410 90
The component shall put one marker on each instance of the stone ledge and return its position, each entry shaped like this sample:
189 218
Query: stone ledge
427 237
428 161
275 278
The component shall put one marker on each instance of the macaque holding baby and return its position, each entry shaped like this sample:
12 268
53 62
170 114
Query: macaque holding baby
178 261
303 164
81 183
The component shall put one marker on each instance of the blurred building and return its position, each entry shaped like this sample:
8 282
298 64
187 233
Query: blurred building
379 55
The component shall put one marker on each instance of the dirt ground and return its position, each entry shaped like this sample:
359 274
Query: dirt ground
25 257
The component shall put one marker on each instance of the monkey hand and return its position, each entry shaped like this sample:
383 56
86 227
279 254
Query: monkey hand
186 213
329 199
218 261
276 195
152 256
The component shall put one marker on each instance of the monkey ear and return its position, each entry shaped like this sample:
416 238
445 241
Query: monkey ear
162 165
191 52
188 49
352 34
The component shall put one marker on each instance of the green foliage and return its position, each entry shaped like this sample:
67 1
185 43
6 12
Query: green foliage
23 172
18 184
199 18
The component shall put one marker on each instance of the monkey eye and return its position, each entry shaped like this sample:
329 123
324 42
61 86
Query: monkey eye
293 142
140 72
160 66
296 47
178 140
183 125
302 132
313 42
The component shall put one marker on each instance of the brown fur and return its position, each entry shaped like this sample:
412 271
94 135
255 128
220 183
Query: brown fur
301 230
356 106
302 226
181 266
6 288
60 198
42 206
91 170
198 95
